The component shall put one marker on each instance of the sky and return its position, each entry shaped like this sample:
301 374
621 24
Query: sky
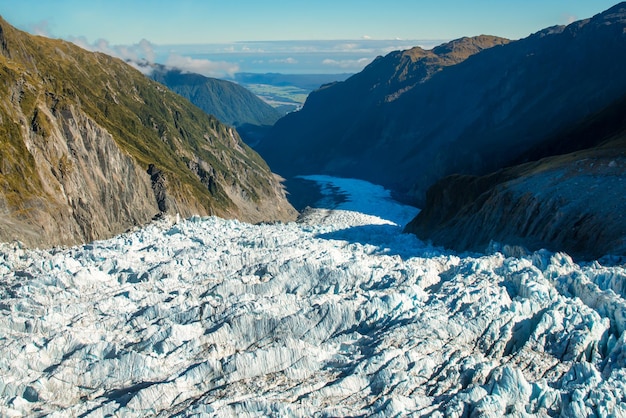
240 24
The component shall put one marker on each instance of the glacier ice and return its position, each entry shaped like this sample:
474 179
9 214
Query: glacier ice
338 314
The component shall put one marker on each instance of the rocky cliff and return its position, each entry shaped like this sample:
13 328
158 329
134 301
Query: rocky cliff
573 202
90 147
472 106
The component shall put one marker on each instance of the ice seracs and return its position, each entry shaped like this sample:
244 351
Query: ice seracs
339 314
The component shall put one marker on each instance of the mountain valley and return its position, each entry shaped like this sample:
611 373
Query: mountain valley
442 234
470 106
480 107
338 314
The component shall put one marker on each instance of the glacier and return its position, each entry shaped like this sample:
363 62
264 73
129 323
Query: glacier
337 314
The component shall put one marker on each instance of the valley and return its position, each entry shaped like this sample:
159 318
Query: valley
286 92
482 132
437 231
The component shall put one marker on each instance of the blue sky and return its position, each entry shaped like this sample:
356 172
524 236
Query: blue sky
206 21
220 38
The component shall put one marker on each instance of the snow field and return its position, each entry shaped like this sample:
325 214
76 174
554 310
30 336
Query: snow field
338 314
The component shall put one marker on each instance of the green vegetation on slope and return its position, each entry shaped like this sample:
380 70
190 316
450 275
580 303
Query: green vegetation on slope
205 162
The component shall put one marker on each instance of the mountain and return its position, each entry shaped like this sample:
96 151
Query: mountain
331 133
572 201
227 101
470 107
91 147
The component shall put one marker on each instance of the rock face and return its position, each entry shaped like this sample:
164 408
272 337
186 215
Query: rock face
79 133
471 107
575 202
84 184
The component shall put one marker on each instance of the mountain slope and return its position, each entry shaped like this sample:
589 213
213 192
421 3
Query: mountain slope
227 101
331 133
574 202
475 116
91 147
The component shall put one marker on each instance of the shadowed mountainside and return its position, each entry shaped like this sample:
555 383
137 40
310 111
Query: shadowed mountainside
90 147
574 202
471 106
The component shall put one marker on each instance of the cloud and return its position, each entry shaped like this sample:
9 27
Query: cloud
290 61
347 64
40 28
349 46
201 66
148 50
142 53
569 18
224 60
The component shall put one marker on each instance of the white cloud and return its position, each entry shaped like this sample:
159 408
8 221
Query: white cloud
290 60
223 60
569 18
148 50
200 66
142 51
41 29
347 64
350 46
137 55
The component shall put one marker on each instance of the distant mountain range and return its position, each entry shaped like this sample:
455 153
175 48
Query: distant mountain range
474 106
91 147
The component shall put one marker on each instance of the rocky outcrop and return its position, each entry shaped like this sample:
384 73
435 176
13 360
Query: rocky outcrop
89 148
577 207
472 107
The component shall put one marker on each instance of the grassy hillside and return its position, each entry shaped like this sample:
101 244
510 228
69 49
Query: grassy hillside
51 88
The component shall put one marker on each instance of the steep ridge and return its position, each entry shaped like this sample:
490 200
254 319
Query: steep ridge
574 202
227 101
473 117
91 147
